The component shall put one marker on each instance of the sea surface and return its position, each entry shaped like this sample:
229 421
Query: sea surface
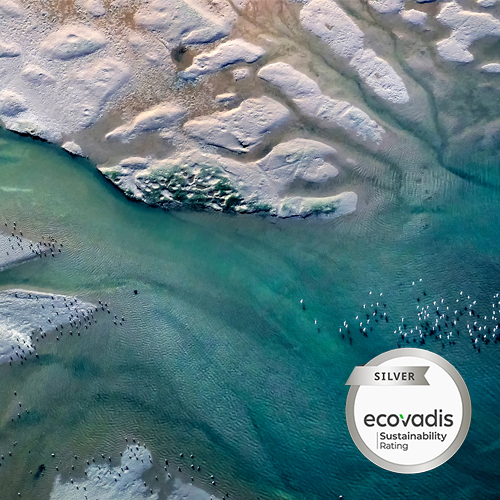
216 356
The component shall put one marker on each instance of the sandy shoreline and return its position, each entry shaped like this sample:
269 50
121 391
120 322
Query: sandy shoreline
15 250
123 82
125 481
126 84
27 316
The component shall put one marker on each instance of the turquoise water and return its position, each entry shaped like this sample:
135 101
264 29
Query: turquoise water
216 356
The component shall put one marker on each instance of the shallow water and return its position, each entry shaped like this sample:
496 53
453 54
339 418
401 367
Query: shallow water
216 356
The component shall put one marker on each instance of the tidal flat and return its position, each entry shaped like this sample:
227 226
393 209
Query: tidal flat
395 89
274 192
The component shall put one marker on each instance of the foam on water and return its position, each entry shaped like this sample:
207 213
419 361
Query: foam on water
8 189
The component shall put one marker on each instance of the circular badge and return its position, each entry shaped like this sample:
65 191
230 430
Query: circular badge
408 410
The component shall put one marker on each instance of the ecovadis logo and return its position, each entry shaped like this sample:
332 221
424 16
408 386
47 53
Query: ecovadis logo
417 420
388 441
408 410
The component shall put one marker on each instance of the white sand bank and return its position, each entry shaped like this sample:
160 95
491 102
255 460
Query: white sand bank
24 312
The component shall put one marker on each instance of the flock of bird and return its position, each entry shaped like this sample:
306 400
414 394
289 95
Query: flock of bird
434 320
42 248
78 318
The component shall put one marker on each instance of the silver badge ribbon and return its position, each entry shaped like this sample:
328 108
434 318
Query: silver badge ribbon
388 375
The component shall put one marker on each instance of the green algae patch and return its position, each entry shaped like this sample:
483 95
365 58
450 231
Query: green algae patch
192 186
324 208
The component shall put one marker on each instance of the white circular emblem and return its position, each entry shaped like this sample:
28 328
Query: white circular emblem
408 410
